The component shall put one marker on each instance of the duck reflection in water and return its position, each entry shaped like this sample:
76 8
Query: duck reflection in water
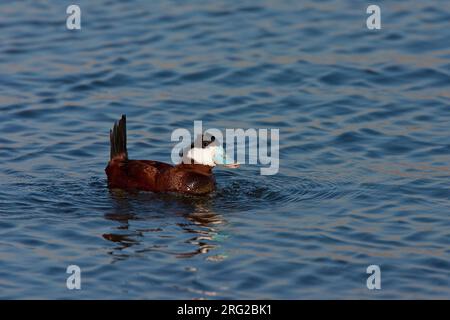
131 208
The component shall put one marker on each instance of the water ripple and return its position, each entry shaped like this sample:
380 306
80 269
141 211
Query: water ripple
364 149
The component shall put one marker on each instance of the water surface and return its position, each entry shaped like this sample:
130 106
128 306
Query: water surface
364 153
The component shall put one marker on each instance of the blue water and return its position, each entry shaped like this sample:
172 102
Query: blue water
364 174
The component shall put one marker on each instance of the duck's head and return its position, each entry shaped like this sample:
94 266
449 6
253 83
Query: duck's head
207 151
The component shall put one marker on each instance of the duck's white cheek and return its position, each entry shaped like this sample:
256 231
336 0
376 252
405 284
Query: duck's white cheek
201 156
207 158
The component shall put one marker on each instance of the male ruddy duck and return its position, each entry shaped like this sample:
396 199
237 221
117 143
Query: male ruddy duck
193 176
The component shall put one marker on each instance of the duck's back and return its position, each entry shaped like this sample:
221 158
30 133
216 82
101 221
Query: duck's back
136 174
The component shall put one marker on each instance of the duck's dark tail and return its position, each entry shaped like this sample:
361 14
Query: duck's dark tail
118 138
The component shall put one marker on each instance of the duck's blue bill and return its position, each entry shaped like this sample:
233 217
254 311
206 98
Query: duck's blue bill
221 158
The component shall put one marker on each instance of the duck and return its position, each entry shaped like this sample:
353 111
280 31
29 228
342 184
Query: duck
193 175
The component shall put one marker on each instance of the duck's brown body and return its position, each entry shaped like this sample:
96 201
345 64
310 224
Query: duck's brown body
155 176
159 177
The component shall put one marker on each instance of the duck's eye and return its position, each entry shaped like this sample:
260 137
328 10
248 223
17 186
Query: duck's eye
181 153
213 138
